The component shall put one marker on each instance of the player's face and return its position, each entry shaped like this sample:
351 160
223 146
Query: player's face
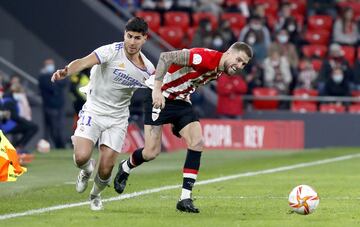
133 42
235 61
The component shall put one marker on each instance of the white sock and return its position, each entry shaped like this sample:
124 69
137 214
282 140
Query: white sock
126 167
88 166
99 185
185 194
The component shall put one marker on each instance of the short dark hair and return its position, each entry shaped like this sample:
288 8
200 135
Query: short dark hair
137 24
241 46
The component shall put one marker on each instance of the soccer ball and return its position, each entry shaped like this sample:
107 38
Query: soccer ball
43 146
303 199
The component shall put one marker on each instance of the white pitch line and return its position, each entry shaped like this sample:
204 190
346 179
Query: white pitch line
154 190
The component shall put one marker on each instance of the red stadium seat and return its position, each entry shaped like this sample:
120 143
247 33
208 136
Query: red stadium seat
322 22
297 7
356 94
152 18
177 19
197 17
314 50
349 54
190 32
315 62
173 35
332 108
303 107
304 93
354 108
321 37
265 104
237 21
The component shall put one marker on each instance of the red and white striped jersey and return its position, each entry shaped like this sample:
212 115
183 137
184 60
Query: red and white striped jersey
180 81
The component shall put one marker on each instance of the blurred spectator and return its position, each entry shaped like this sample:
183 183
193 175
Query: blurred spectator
254 77
22 129
288 22
336 85
203 35
335 60
324 7
53 104
285 48
256 34
277 72
198 102
230 90
18 93
223 37
307 77
213 6
131 5
345 30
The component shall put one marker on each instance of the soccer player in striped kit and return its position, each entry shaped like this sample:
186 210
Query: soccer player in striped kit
118 69
177 75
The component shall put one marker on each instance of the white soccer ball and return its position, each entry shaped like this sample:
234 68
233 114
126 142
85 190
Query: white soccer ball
43 146
303 199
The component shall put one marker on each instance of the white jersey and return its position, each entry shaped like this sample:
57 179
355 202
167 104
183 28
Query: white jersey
114 80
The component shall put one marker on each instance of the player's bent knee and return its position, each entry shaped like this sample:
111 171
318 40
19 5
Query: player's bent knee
196 144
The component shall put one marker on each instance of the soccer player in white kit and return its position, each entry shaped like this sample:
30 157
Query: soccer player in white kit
118 69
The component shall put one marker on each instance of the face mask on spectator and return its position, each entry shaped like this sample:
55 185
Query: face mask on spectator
255 26
283 38
291 27
338 78
251 39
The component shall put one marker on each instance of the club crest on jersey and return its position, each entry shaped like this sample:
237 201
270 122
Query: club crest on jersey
197 59
122 65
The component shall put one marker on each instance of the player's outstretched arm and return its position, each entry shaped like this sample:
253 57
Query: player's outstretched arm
178 57
75 67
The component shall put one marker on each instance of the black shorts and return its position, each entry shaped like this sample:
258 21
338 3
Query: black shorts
176 112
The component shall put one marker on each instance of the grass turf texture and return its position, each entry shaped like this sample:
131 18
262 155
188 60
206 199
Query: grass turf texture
248 201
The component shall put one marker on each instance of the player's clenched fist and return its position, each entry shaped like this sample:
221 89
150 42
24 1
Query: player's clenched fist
59 74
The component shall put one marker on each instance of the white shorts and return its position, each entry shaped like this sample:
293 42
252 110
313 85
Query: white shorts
108 130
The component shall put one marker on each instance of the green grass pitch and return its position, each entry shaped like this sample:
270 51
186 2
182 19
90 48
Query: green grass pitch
256 200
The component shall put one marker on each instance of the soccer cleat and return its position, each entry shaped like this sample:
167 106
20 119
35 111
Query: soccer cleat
96 203
186 205
120 179
83 178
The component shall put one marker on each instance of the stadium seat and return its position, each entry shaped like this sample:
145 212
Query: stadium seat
315 62
356 94
197 17
190 32
332 108
303 107
173 35
177 19
322 22
152 18
354 108
321 37
265 104
297 6
314 50
354 5
349 54
237 21
304 93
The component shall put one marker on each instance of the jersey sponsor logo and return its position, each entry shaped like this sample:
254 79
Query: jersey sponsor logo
126 80
197 59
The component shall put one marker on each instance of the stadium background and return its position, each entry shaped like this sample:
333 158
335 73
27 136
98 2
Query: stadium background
247 188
